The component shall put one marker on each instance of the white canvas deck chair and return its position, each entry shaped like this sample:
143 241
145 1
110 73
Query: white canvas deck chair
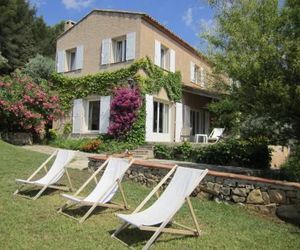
104 190
55 173
183 183
214 136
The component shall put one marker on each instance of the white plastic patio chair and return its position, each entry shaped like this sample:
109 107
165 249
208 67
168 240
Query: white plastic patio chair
185 133
214 136
104 190
55 173
184 181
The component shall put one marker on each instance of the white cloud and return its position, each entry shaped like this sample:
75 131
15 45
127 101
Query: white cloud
187 17
77 4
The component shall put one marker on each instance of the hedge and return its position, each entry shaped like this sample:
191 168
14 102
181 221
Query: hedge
232 152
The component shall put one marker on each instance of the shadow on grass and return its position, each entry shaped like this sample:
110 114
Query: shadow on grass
31 193
134 237
79 212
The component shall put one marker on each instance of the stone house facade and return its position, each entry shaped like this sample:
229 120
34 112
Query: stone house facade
107 40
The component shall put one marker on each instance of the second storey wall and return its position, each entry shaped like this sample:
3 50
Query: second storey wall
183 57
90 32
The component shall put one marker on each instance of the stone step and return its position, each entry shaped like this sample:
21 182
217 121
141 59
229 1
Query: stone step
142 151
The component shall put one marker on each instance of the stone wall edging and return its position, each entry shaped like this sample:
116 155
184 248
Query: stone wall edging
264 195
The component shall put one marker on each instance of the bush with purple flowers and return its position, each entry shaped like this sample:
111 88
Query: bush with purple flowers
124 110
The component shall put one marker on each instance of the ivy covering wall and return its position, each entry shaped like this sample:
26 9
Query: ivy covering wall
150 82
103 83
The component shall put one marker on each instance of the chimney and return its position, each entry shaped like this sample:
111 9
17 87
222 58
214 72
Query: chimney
69 24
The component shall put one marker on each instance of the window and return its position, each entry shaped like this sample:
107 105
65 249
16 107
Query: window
93 115
160 117
71 59
119 50
197 74
164 57
202 76
197 121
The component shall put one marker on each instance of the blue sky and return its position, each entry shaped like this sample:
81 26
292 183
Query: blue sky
185 17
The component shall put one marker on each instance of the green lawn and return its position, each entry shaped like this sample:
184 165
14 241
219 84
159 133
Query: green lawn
26 224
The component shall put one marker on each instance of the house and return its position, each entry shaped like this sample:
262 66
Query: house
106 40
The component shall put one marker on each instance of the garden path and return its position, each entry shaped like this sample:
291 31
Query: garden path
80 162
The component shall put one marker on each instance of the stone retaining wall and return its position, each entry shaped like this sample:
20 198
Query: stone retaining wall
17 138
261 194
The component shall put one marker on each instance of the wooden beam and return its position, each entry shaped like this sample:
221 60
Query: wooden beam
168 230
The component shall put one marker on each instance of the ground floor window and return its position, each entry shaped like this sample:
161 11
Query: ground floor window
160 117
198 121
93 115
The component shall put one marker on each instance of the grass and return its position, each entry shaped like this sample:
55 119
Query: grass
26 224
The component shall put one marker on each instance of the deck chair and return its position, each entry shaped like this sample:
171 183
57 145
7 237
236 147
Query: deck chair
214 136
55 173
185 133
104 190
183 183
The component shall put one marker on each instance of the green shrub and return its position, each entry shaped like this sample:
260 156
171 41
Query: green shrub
70 143
183 151
39 68
291 169
114 146
241 153
52 133
67 129
162 152
218 154
99 145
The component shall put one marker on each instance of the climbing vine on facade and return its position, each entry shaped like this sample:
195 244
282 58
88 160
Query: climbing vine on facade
104 83
149 79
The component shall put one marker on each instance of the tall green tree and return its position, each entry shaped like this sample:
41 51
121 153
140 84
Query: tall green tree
23 34
16 41
256 43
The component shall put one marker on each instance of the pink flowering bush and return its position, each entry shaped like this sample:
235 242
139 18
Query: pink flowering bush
25 106
124 110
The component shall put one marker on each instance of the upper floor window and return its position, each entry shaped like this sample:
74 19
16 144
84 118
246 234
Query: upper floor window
71 59
119 49
164 57
198 74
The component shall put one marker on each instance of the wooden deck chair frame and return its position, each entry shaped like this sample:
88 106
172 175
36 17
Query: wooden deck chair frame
93 205
44 166
162 228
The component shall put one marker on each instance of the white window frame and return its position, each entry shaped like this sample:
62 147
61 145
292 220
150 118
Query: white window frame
116 56
197 74
166 118
70 66
164 57
87 112
202 76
